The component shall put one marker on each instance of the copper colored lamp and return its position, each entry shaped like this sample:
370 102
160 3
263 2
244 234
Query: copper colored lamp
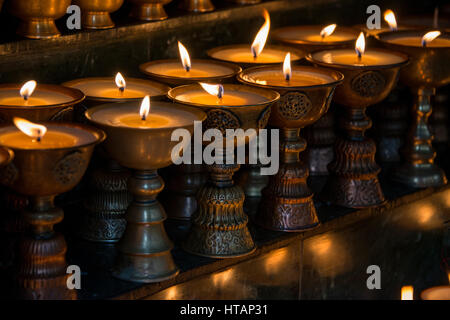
353 180
429 69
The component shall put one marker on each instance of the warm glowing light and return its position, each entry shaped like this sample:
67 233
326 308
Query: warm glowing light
287 71
430 36
261 38
389 17
213 89
33 130
120 82
360 46
184 56
145 108
328 30
27 89
448 276
222 278
407 293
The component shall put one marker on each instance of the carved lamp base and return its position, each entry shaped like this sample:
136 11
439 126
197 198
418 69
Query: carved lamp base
419 170
219 227
287 203
144 249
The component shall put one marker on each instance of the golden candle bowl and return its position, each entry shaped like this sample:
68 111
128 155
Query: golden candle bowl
178 81
197 5
109 197
96 14
219 226
149 10
310 46
42 174
38 17
144 249
429 68
353 180
287 203
55 112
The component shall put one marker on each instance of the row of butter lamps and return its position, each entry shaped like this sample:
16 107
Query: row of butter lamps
38 19
300 105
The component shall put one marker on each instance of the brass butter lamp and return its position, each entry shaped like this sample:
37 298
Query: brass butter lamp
197 6
50 159
219 227
306 93
38 17
109 197
185 180
429 69
321 135
140 139
96 14
149 10
369 76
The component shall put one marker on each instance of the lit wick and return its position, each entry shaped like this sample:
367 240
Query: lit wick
327 31
213 89
27 89
261 37
360 46
184 56
120 82
287 71
430 36
145 108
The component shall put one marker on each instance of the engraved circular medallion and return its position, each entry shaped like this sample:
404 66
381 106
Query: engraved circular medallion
222 120
368 84
8 174
68 169
264 118
294 105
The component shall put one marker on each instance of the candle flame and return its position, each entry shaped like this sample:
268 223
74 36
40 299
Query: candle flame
360 45
389 17
287 71
33 130
120 82
27 89
328 30
184 55
430 36
213 89
261 37
407 293
145 108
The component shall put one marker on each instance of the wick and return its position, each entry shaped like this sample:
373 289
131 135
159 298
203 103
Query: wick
122 89
39 138
288 78
254 54
25 97
187 68
144 118
424 43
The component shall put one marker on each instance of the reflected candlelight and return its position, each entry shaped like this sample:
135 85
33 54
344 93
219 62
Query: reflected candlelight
261 37
389 17
27 89
407 293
